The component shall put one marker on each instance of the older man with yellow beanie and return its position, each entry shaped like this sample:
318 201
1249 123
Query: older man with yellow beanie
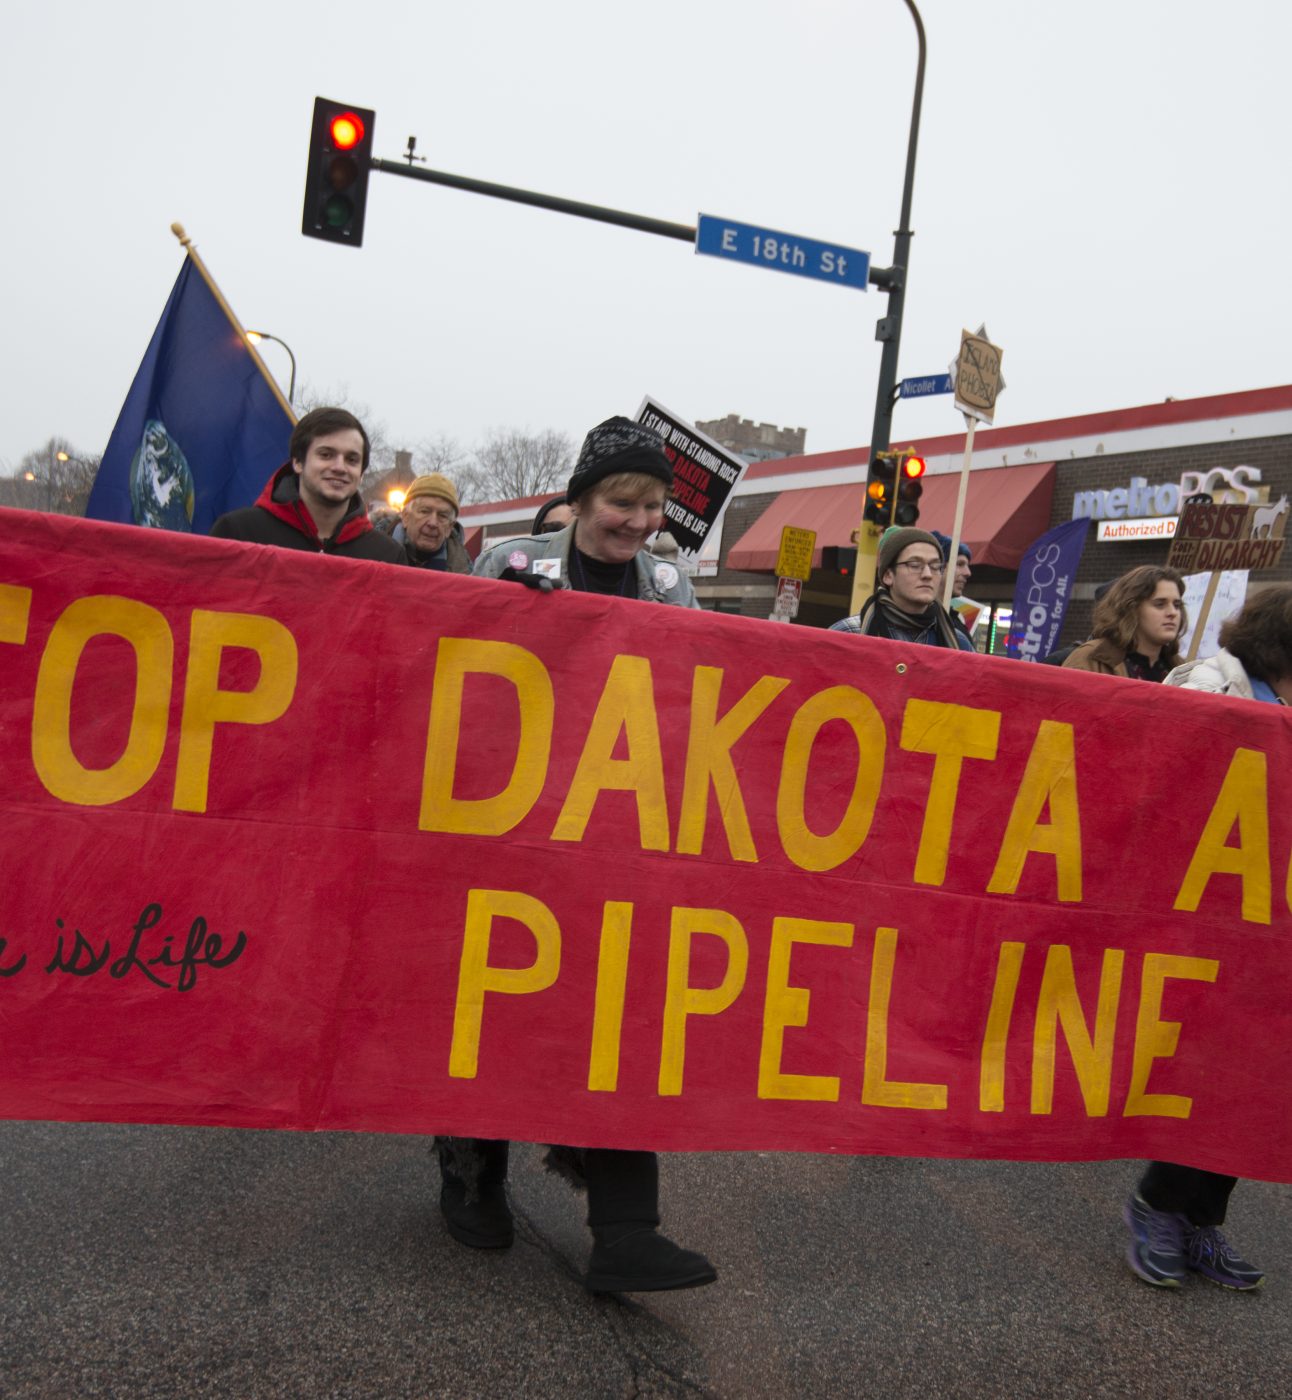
428 526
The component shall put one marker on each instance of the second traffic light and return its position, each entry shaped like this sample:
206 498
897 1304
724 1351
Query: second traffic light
909 489
881 490
894 488
336 181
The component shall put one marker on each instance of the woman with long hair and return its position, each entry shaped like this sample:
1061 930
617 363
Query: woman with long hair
1137 627
1175 1212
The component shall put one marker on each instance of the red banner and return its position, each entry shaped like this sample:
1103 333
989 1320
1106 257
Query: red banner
299 842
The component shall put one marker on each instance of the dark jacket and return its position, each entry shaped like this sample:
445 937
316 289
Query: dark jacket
456 559
281 518
873 621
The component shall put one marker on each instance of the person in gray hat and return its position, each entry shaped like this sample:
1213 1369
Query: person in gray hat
905 607
617 493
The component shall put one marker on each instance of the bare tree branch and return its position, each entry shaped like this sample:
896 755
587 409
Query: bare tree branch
511 463
62 476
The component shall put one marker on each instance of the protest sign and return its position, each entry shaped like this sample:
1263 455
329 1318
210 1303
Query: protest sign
704 475
302 842
1224 537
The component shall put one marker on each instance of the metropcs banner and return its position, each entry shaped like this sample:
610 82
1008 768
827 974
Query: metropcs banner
299 842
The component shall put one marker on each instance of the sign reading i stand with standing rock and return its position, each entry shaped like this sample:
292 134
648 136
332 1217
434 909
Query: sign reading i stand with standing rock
704 475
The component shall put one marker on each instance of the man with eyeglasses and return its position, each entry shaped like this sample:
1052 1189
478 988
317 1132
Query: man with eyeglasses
428 526
905 607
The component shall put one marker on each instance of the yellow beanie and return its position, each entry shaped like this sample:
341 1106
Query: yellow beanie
434 484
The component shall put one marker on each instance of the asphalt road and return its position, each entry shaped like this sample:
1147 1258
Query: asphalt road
208 1262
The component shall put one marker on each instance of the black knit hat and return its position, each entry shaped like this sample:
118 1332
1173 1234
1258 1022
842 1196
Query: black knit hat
619 445
540 525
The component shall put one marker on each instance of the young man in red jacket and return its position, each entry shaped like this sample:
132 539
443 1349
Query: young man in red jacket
312 501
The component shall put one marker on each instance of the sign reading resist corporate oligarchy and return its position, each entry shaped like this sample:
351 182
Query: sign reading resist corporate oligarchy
704 475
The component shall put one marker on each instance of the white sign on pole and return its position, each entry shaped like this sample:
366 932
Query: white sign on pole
978 383
1231 592
788 593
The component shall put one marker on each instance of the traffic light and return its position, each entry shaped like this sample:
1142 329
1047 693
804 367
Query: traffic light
909 489
839 559
881 488
336 181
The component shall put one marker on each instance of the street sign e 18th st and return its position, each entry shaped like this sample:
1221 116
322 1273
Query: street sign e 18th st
786 252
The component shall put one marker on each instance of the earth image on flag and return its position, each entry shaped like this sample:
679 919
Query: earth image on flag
161 485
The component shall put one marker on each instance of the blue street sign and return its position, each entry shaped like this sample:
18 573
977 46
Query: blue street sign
921 388
786 252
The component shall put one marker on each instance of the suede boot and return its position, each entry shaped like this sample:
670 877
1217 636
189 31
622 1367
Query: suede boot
629 1255
638 1259
473 1195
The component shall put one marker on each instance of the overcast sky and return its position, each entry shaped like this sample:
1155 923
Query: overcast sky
1105 184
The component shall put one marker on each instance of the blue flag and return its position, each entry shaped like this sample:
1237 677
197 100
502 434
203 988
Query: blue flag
201 430
1043 589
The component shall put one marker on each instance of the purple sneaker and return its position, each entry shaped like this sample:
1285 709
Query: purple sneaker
1157 1251
1210 1254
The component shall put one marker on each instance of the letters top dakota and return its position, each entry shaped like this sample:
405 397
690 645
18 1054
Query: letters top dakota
786 252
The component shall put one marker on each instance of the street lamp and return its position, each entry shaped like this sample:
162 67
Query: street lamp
255 337
396 498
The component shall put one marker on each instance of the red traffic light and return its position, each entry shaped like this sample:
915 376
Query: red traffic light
913 466
336 179
347 130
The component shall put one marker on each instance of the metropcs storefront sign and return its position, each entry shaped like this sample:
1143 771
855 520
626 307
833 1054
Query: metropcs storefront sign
1141 501
1151 527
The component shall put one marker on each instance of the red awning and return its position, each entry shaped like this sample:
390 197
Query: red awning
1006 509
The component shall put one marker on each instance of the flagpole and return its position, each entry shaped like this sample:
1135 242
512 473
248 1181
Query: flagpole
187 244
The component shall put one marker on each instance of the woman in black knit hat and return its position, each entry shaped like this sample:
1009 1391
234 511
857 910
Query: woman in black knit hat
617 492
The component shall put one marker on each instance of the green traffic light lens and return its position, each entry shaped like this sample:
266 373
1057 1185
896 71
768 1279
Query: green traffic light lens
338 211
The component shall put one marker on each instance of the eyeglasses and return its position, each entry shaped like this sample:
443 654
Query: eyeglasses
918 566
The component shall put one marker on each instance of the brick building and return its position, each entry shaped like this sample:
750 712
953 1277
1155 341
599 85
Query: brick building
755 442
1025 479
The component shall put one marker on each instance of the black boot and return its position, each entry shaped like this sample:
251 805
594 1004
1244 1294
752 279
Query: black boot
638 1259
629 1255
473 1196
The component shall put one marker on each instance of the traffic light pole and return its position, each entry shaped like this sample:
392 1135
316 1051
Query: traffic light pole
889 332
640 222
882 277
